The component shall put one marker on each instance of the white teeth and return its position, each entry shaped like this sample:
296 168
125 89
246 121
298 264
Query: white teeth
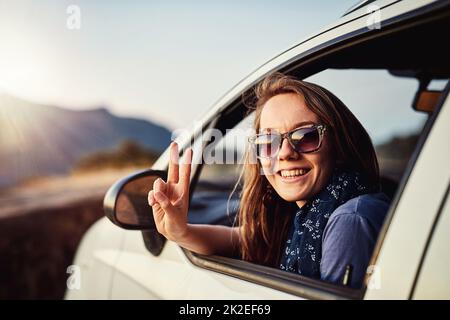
293 173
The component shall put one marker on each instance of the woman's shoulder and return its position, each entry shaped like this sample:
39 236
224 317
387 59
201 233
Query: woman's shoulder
360 215
373 206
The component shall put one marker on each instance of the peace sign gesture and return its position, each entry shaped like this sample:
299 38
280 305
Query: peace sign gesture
170 200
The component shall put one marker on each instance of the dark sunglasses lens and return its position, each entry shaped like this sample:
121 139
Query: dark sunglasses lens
306 139
266 145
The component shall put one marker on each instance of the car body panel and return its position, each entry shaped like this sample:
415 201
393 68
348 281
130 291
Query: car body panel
96 258
434 278
170 275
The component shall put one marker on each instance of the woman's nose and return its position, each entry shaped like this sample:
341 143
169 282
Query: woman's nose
286 151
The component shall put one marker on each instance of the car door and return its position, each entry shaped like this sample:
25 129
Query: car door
180 274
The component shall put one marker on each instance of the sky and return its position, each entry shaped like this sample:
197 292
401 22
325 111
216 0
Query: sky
166 61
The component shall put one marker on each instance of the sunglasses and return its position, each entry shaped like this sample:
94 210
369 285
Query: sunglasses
303 140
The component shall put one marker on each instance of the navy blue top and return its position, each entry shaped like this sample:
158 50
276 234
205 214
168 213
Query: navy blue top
350 235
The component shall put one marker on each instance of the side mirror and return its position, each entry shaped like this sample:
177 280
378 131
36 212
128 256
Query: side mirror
125 203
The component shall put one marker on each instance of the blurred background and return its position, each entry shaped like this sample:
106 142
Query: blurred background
84 102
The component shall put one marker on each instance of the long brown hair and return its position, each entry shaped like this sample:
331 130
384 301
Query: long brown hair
264 228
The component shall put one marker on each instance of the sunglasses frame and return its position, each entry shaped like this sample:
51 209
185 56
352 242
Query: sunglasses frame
321 128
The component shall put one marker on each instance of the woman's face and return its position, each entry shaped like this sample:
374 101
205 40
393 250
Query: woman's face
311 171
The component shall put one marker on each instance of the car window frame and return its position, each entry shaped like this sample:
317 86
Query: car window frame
445 97
425 255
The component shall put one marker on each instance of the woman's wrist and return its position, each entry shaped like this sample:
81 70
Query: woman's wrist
185 235
196 239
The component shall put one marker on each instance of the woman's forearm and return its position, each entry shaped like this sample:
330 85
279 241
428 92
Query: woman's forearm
211 239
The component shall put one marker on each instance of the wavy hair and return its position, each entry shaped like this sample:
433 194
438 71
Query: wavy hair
263 229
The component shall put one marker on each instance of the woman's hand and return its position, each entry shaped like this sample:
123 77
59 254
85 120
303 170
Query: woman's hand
170 200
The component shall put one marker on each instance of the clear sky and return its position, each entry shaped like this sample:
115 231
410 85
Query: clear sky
164 60
167 61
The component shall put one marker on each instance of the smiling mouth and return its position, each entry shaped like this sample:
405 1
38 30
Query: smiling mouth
293 173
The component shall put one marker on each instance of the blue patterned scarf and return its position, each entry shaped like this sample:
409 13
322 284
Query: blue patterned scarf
303 251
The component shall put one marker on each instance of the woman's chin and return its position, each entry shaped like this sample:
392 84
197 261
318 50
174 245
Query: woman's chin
293 196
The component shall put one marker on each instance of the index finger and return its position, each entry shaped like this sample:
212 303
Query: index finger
172 175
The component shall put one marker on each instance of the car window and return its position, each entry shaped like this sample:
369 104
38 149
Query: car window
434 279
382 103
214 201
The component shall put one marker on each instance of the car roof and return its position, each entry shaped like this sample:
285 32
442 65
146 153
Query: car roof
359 5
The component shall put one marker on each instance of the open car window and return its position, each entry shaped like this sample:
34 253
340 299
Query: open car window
381 102
216 196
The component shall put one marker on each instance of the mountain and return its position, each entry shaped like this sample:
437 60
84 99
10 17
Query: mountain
38 140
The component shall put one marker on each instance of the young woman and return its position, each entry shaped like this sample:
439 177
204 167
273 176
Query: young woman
310 204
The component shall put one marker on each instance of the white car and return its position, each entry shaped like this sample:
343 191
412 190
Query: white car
384 59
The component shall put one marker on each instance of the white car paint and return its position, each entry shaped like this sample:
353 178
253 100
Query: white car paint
96 257
170 275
